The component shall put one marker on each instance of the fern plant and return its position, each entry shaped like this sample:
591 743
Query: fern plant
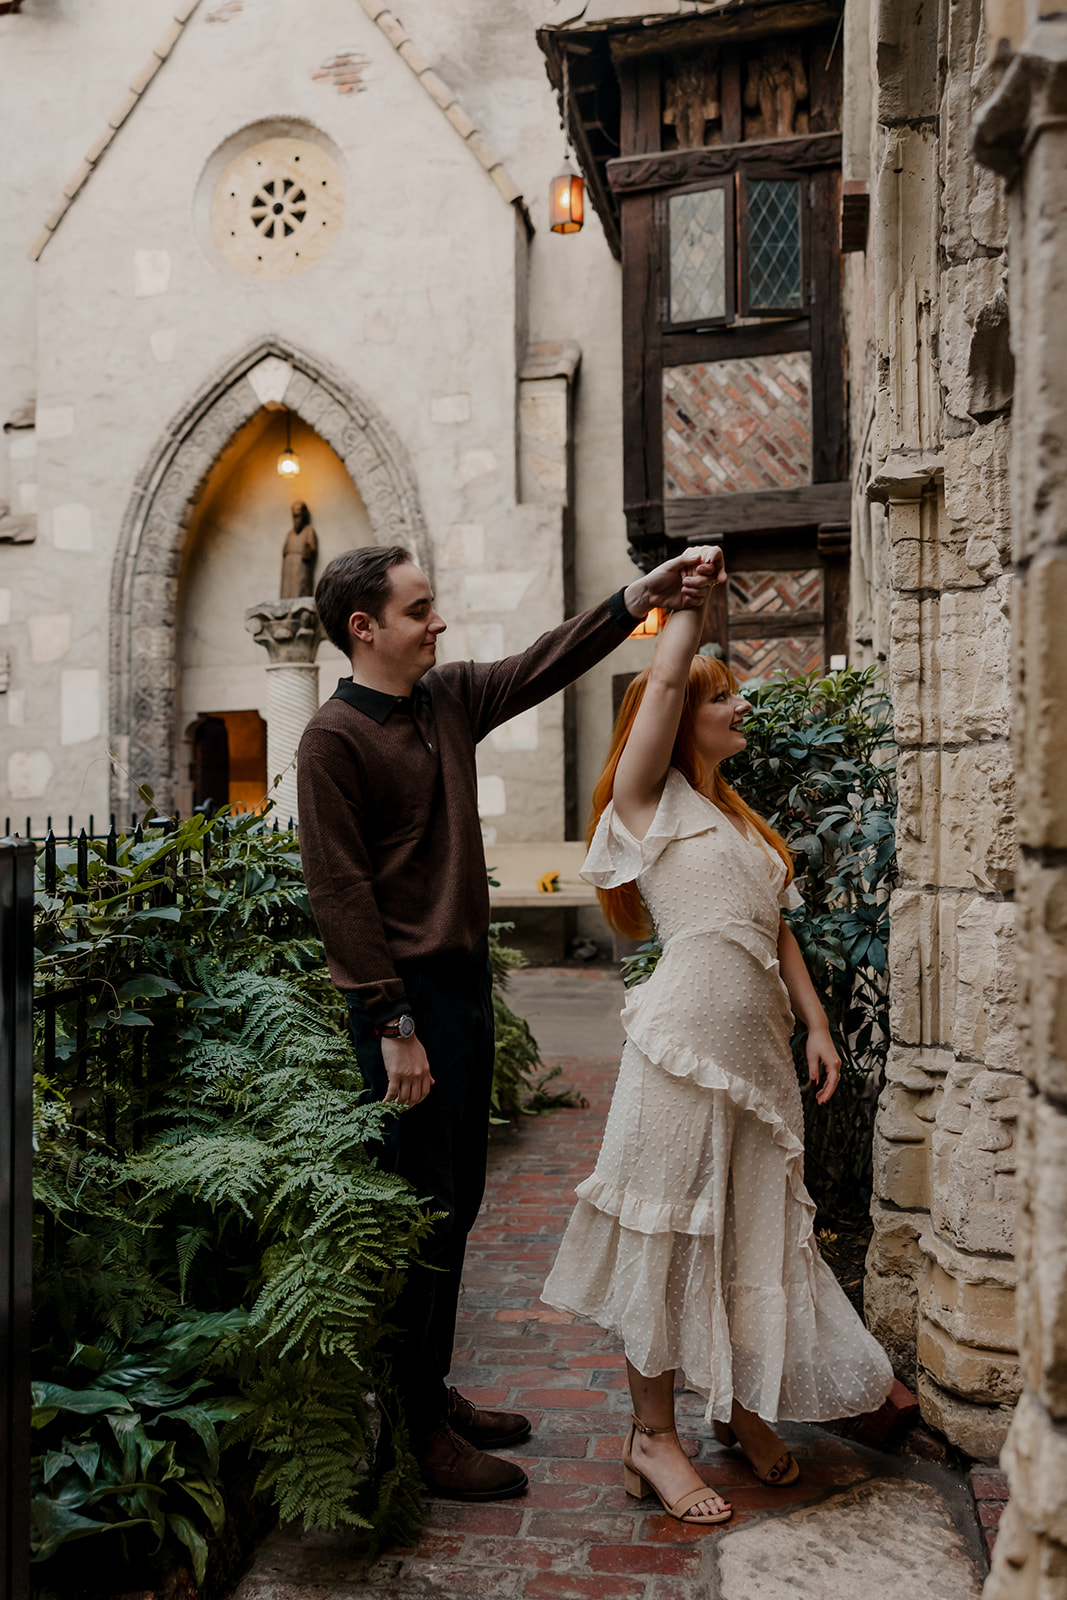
205 1159
204 1148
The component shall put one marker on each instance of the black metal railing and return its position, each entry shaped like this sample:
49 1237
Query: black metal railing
16 1209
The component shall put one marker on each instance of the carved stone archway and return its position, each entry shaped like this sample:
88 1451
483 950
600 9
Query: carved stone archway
144 585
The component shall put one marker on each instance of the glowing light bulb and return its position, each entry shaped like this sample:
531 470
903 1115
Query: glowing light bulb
288 464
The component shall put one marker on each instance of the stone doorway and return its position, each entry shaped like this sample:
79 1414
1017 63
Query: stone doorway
145 710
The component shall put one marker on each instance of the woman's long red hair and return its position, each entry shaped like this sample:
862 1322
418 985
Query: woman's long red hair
623 907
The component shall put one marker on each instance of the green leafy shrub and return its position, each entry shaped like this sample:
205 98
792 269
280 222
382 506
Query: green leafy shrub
202 1151
129 1443
519 1087
818 765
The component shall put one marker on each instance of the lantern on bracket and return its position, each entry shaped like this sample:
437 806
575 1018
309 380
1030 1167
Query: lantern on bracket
288 461
566 193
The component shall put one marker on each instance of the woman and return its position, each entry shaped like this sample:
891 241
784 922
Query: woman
692 1240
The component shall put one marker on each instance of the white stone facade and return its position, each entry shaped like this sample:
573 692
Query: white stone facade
458 362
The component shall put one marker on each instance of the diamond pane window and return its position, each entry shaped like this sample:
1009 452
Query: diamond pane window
774 271
698 243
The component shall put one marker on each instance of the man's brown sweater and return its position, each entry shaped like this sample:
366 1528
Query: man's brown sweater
389 834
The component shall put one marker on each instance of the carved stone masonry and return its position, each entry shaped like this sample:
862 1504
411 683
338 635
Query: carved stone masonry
145 574
290 632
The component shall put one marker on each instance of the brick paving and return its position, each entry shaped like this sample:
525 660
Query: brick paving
576 1535
990 1488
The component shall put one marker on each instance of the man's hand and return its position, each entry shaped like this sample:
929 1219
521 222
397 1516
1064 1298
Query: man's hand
682 584
408 1071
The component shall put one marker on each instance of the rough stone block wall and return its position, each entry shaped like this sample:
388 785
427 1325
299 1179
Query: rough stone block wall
941 1273
1021 133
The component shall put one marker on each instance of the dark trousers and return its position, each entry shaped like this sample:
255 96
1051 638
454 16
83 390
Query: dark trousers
439 1146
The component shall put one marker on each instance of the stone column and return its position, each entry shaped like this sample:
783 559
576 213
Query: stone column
940 1281
1021 133
290 632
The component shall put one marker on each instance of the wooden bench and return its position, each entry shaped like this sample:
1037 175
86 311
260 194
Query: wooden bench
518 867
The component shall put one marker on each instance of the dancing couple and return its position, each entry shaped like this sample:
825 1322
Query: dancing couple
692 1239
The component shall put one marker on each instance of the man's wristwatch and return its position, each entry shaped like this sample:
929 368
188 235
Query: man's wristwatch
402 1027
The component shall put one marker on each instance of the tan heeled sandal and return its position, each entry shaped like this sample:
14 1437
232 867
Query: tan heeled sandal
640 1487
785 1470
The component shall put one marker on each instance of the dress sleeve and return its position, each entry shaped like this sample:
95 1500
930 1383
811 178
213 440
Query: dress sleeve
616 857
791 898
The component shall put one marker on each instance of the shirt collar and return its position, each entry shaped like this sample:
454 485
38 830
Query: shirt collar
373 703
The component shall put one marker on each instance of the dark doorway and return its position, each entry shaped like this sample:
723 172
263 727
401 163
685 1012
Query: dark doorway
230 759
211 763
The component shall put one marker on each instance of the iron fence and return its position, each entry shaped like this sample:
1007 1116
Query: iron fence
16 1209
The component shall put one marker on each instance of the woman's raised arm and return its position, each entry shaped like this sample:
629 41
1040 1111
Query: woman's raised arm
643 765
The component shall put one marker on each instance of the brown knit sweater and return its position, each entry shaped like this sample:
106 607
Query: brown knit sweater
389 834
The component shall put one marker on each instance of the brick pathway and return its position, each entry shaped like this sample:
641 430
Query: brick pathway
576 1535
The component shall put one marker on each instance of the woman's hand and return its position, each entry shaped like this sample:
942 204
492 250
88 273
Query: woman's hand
823 1058
681 584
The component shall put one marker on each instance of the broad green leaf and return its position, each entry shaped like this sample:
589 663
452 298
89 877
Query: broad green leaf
54 1397
147 984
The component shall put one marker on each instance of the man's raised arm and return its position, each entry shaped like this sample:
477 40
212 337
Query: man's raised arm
500 690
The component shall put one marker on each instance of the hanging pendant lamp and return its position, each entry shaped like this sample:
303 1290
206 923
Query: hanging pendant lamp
288 461
566 192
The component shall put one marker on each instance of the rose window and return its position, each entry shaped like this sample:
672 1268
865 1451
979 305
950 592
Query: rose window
277 208
279 205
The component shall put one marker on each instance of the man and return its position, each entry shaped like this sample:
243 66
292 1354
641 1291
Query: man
393 859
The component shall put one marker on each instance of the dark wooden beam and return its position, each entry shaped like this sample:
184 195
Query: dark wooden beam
628 173
726 344
699 516
736 21
775 624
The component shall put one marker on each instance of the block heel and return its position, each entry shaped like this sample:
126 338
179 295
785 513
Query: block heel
639 1488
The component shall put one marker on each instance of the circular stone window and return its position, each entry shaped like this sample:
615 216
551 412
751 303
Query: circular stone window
277 208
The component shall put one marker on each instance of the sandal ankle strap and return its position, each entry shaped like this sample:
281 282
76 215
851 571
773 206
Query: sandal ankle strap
642 1427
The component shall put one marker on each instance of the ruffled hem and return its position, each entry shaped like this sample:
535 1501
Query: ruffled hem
681 1061
794 1354
639 1215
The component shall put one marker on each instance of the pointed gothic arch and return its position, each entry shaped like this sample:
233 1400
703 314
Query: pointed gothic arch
144 582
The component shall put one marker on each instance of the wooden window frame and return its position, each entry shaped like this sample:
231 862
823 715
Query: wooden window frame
663 223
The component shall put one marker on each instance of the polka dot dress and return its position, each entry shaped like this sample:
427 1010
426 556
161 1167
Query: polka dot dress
692 1240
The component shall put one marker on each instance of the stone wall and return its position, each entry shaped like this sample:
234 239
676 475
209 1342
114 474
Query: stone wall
928 338
136 329
1021 134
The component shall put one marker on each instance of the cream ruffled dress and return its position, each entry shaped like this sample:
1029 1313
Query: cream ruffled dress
692 1240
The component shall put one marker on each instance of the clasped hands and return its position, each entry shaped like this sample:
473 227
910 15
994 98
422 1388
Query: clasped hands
681 584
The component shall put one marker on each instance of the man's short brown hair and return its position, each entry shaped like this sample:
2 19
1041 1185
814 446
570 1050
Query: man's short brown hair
357 581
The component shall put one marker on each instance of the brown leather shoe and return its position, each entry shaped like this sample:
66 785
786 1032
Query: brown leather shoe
452 1467
486 1430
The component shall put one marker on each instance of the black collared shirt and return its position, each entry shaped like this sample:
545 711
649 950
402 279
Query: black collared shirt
389 832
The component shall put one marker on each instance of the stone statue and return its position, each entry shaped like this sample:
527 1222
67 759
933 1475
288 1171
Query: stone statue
298 555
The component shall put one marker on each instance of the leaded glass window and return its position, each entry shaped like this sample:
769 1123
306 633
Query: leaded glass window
775 280
699 240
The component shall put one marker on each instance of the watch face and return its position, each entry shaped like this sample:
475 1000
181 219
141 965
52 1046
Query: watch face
406 1026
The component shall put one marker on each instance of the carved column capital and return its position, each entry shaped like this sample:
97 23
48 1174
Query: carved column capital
289 630
1030 99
